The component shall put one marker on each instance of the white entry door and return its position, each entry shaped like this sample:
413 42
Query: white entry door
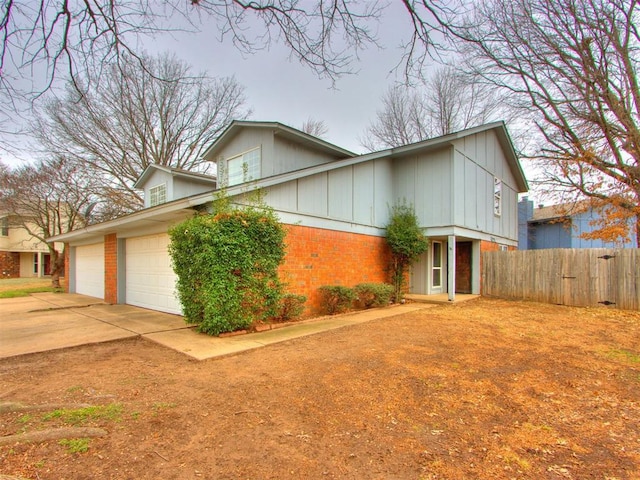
150 280
437 270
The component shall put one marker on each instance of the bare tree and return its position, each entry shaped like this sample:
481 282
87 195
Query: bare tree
79 36
449 101
571 68
314 127
160 114
50 198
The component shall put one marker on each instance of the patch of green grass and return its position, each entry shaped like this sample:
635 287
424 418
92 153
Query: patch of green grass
163 405
25 292
620 353
75 445
79 416
26 418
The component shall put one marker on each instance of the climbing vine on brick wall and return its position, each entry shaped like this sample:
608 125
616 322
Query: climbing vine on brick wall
226 264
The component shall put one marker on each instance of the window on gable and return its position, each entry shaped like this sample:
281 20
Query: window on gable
4 227
157 195
243 168
497 196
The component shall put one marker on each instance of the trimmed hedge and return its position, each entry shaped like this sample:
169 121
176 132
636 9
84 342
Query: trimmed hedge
336 298
374 294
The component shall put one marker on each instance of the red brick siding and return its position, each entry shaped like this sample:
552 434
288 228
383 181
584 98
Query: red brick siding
9 264
111 268
317 257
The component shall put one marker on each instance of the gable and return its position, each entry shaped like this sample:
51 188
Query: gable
249 151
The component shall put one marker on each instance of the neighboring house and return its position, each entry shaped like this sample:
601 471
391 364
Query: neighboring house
335 204
560 226
21 255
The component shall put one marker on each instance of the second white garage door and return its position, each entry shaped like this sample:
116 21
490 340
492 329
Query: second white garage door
90 270
150 279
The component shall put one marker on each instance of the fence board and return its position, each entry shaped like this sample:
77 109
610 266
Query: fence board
577 277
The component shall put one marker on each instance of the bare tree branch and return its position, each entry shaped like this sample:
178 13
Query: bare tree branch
571 68
161 114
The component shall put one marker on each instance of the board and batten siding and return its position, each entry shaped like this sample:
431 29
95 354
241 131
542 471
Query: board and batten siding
424 181
278 155
477 159
359 193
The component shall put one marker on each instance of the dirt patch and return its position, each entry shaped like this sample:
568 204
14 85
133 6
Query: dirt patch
489 389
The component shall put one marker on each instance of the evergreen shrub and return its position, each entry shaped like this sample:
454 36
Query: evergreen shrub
336 298
374 294
227 267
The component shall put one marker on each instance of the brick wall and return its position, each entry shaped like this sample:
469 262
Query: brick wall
317 257
9 265
111 268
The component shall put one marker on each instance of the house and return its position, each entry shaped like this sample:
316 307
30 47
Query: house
561 226
335 205
21 255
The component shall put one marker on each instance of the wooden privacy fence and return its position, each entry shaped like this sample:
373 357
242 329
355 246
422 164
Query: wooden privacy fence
577 277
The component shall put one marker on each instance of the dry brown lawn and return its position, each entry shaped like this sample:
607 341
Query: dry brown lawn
489 389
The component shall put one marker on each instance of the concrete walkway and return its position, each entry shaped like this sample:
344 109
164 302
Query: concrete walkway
49 321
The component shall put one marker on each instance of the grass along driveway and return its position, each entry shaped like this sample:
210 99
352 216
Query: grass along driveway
487 389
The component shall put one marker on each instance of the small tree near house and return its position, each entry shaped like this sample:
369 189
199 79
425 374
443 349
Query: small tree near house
407 243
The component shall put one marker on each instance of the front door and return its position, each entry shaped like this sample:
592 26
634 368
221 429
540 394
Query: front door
437 274
463 267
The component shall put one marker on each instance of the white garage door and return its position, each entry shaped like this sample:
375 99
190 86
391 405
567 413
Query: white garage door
90 270
150 279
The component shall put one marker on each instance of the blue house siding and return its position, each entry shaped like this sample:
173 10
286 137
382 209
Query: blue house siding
560 231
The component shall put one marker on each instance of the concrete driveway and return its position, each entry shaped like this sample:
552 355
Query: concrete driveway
48 321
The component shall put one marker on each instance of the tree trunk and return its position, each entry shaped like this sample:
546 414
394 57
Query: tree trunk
57 266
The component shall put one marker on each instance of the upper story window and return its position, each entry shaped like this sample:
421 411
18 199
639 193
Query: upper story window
4 227
157 195
497 196
244 167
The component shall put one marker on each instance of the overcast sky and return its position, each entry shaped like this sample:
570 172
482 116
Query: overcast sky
279 88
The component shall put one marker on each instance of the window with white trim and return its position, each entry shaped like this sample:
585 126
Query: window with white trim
157 195
244 168
497 196
4 227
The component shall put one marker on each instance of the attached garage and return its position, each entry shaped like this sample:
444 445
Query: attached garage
89 271
150 280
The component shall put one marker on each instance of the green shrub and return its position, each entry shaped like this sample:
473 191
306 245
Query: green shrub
407 243
374 294
336 298
227 268
291 307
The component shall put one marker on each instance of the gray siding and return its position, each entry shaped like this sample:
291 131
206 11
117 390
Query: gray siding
278 155
477 159
158 177
289 156
424 181
358 194
185 188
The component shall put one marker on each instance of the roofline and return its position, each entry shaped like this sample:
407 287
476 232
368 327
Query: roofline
237 190
178 172
238 124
